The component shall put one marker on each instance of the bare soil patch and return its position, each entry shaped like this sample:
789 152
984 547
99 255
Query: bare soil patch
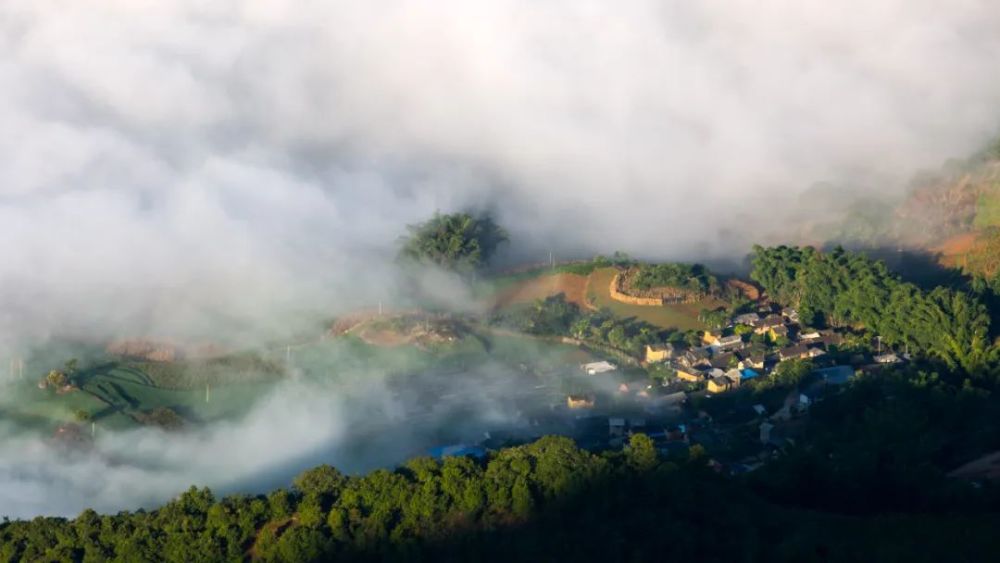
347 323
958 244
422 330
573 286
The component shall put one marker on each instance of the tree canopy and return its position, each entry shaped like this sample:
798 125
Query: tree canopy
550 500
462 242
690 277
845 288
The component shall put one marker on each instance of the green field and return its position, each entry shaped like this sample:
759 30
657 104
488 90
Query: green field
683 317
544 355
24 405
124 391
118 395
111 394
349 354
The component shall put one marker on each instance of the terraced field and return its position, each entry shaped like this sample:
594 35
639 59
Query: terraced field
124 391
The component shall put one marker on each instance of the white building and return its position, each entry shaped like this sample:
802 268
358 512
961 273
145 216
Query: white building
598 367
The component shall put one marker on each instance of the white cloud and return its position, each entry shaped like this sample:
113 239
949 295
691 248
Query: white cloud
206 146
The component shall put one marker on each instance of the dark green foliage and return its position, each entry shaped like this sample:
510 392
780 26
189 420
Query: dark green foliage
641 453
550 316
844 288
689 277
791 373
554 316
459 241
162 417
549 501
619 259
886 444
323 483
714 318
552 501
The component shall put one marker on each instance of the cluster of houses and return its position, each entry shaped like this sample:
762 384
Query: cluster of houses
724 362
654 398
600 432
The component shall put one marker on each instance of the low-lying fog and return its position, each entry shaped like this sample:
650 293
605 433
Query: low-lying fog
335 412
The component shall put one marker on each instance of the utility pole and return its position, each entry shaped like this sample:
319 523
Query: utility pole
879 340
93 429
208 392
380 308
288 355
552 261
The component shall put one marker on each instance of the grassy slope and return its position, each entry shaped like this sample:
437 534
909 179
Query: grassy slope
113 392
684 317
26 406
124 390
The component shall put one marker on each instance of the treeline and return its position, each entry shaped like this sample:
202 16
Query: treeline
554 316
546 501
844 288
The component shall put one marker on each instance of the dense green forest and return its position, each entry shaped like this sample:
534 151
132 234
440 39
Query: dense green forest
844 288
550 500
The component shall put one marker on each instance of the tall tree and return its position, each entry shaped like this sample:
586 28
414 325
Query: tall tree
462 242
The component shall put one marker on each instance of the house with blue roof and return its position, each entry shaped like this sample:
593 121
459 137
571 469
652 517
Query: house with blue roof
747 374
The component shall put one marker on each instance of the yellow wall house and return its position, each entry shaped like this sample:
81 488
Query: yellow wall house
719 384
709 337
688 375
580 401
776 332
657 353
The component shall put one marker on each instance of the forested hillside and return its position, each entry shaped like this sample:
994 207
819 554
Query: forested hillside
544 501
843 288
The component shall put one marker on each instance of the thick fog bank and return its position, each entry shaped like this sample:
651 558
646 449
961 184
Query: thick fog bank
170 164
354 421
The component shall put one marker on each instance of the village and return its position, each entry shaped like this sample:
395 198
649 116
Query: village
741 395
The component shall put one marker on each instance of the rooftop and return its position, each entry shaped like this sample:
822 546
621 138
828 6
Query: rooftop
598 367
